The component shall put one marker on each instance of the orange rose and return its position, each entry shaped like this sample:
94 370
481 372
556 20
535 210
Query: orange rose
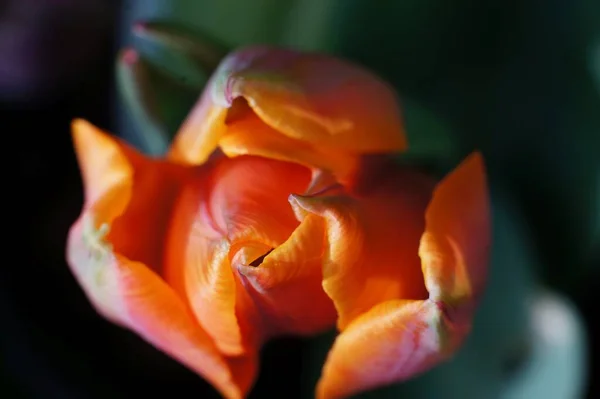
301 223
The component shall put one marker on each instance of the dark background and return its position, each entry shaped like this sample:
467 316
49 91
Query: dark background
502 69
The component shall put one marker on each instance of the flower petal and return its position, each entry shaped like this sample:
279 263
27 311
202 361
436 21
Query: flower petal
287 287
372 242
324 102
249 198
103 163
250 135
398 339
105 258
455 247
242 206
393 341
200 133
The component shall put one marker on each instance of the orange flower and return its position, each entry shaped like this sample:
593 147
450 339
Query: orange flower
303 224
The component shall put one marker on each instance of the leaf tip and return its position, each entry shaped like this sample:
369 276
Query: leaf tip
130 56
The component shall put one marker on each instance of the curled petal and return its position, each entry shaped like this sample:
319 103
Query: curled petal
396 339
314 99
455 247
372 242
223 221
251 136
286 285
121 275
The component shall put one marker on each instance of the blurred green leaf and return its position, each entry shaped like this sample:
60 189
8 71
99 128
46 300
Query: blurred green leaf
595 258
595 153
140 100
190 57
308 24
431 143
595 63
156 102
233 22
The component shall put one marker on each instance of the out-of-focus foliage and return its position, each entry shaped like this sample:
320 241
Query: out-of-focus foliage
513 79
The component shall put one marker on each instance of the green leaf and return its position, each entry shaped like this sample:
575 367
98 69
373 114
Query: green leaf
431 143
140 100
156 102
189 56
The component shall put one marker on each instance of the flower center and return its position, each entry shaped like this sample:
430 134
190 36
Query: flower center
257 262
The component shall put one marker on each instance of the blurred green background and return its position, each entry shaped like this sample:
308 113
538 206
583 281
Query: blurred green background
518 79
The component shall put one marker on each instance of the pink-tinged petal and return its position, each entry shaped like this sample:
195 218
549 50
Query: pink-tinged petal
115 252
392 342
397 339
313 97
131 295
313 102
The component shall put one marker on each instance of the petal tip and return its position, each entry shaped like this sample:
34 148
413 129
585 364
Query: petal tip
81 127
86 136
476 159
102 159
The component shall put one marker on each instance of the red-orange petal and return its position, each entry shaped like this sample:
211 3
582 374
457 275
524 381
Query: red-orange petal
111 267
241 211
313 99
455 247
286 286
371 252
397 339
